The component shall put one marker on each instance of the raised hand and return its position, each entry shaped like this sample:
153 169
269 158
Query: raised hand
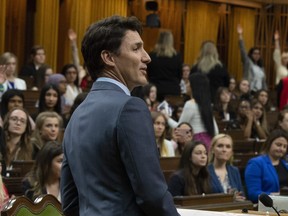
72 35
276 35
3 69
239 29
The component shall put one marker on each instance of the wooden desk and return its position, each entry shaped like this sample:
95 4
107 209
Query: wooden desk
169 163
256 213
213 202
189 212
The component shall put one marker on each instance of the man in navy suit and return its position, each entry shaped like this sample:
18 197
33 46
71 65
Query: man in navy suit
111 164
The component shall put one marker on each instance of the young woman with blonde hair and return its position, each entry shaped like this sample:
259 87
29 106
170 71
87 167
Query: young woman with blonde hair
47 128
208 63
165 69
164 146
225 178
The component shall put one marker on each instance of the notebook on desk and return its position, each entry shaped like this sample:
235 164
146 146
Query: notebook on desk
280 203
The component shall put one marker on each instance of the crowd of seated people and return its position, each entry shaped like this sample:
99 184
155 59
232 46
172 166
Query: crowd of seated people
191 133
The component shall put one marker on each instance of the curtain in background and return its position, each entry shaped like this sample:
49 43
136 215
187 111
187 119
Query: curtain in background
46 29
78 15
202 22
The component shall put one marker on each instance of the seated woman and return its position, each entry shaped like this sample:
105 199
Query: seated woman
225 178
283 120
47 129
164 146
255 125
45 175
181 135
15 137
50 99
71 74
252 119
10 99
262 96
12 81
192 178
268 173
222 106
243 88
150 96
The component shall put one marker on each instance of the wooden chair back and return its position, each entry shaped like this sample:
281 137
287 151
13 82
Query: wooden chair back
215 202
45 205
23 166
31 97
14 185
169 165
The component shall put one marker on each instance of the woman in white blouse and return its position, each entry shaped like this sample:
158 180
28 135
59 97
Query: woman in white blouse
12 81
71 74
198 110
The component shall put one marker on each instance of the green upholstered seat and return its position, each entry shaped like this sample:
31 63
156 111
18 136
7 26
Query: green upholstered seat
46 205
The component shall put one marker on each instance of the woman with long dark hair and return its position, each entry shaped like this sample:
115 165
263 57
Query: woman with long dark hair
50 99
192 178
71 74
198 111
253 69
45 175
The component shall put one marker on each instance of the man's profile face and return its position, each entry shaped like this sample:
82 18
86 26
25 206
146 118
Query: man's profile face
131 63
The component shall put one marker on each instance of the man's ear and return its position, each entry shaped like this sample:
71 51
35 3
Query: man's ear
107 58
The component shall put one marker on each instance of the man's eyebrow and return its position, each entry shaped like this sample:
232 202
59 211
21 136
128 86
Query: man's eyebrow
139 44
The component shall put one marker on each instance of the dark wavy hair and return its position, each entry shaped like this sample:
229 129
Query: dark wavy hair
193 180
6 98
250 53
277 133
65 69
42 103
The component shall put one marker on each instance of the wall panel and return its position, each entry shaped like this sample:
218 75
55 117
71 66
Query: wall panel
2 25
202 23
15 28
46 28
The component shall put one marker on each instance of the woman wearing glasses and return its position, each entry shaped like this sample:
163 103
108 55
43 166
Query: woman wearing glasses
15 137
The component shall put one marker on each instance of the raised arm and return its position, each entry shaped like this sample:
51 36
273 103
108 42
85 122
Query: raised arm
244 55
75 56
73 41
277 51
276 38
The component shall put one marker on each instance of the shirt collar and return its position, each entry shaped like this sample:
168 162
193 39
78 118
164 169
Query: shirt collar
119 84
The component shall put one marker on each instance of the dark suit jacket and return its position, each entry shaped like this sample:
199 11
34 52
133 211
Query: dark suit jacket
111 164
233 176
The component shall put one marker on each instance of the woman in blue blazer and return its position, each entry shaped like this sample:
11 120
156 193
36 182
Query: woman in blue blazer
268 173
225 178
